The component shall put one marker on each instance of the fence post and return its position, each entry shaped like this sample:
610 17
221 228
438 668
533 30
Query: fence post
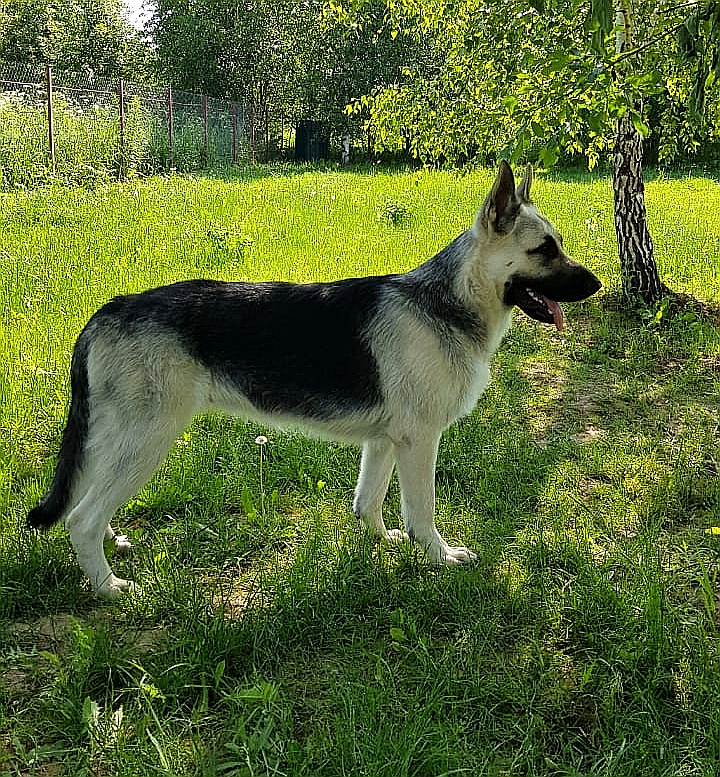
170 128
121 97
206 140
233 135
252 132
267 131
50 116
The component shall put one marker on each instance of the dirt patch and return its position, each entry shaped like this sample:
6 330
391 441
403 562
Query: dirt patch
53 633
146 640
15 681
234 596
711 363
678 304
589 434
541 375
48 632
708 312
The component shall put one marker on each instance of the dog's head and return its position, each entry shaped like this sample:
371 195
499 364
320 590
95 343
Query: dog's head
531 268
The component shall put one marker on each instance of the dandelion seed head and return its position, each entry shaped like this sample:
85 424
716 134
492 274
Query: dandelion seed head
261 439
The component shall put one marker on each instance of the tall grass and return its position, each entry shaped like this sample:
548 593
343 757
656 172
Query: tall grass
88 148
271 636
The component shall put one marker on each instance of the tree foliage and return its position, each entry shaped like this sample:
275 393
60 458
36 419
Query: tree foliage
278 54
541 78
79 35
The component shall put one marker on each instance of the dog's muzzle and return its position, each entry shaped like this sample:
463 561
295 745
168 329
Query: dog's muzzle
540 298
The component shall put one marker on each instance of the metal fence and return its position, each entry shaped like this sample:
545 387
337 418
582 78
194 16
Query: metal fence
75 125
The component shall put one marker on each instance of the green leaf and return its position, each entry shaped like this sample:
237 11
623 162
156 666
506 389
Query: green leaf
601 23
247 502
595 122
50 657
559 62
90 712
549 156
397 634
686 42
640 125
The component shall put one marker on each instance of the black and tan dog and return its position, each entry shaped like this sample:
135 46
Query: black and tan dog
386 362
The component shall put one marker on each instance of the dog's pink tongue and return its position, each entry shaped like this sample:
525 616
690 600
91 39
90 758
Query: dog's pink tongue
557 313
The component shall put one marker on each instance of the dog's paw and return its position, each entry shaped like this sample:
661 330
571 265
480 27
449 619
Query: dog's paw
119 542
461 555
396 535
455 556
114 587
122 543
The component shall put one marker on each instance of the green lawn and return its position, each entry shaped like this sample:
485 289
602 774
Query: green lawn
271 637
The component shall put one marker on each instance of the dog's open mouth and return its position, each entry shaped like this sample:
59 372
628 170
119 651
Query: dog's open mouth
535 304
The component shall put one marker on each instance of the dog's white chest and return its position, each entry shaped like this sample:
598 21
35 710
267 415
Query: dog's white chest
478 372
479 379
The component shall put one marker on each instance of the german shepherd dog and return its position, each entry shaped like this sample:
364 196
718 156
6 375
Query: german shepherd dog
386 362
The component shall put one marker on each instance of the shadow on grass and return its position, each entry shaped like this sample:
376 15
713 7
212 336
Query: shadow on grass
650 173
489 669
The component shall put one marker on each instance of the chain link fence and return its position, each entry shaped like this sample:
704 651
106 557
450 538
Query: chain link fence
77 127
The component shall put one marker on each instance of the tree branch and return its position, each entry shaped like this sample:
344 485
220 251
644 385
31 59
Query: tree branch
639 49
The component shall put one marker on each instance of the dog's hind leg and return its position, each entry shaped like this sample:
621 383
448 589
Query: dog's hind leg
376 467
121 457
87 524
113 477
121 541
416 460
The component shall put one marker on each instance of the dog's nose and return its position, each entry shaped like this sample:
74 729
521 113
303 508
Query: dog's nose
579 284
593 284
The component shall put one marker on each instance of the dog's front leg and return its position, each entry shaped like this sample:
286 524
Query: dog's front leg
376 466
415 460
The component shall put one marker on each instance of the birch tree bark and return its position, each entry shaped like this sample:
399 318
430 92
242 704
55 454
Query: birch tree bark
641 282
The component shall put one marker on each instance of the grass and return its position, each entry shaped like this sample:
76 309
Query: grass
271 636
88 148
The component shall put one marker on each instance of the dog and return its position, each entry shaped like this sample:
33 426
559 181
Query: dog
385 362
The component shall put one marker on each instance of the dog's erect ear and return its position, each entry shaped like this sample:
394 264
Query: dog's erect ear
523 190
501 206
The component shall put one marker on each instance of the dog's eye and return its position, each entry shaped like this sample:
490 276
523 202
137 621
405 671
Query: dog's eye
548 249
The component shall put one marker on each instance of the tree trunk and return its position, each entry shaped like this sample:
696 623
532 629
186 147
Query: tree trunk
641 283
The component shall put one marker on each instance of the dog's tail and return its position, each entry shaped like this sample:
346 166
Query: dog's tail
53 505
